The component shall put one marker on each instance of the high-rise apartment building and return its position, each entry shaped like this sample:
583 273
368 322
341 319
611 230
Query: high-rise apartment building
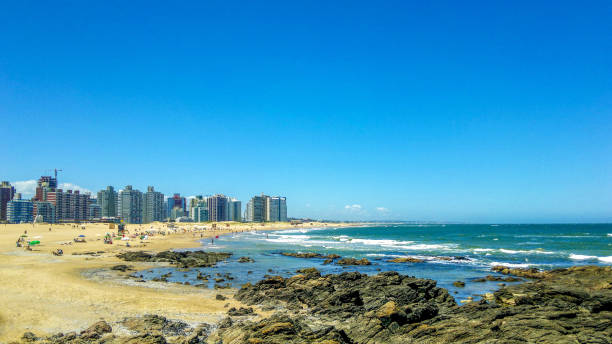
276 209
153 206
81 206
55 197
256 209
19 210
218 209
198 209
234 210
199 214
94 210
7 192
266 209
283 210
108 202
44 184
272 209
130 205
72 206
69 206
176 201
44 212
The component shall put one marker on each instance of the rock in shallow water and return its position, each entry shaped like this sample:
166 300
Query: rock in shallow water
185 259
246 260
353 261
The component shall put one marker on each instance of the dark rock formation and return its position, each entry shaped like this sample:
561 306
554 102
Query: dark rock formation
563 306
353 261
448 259
155 323
340 304
310 255
149 329
185 259
240 312
521 272
122 267
459 284
96 330
302 254
406 260
246 260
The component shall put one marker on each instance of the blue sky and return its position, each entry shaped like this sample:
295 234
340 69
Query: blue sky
449 111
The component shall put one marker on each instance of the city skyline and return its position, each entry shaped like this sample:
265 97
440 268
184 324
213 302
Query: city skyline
50 203
463 112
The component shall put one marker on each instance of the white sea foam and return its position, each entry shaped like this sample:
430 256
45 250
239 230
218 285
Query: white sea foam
553 236
342 238
607 259
610 234
295 239
581 257
381 242
525 251
382 255
289 231
425 247
483 250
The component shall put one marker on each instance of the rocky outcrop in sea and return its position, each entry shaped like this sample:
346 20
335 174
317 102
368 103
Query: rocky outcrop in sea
183 259
562 306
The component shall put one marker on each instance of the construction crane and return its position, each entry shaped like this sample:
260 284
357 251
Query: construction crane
56 170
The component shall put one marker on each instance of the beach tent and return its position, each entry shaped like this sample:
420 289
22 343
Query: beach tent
82 236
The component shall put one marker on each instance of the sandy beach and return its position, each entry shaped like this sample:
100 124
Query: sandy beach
45 294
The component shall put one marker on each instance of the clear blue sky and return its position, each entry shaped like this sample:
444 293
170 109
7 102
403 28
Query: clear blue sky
473 111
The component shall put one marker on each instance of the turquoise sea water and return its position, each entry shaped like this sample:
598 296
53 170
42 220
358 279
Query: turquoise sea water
474 248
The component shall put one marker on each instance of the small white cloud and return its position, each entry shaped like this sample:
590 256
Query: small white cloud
382 209
307 205
74 187
27 188
354 207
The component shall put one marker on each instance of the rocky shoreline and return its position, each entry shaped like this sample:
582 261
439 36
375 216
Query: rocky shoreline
571 305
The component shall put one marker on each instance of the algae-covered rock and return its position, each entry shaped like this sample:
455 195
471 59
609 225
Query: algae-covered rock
353 261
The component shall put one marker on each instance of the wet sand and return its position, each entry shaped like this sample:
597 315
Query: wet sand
45 294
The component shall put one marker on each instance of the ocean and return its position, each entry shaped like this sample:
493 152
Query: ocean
469 252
